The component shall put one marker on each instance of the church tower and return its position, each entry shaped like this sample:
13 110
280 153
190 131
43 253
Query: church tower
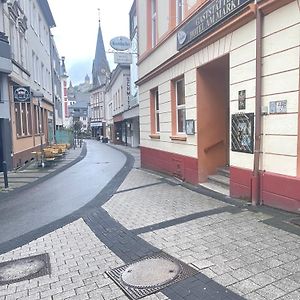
101 71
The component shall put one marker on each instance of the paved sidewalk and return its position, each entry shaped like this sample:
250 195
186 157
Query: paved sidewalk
239 252
32 172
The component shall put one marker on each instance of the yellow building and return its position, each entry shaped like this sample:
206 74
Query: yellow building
219 86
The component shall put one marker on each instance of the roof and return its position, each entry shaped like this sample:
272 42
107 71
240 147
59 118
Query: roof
101 71
44 5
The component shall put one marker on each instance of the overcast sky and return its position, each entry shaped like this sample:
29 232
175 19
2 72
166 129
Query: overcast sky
77 27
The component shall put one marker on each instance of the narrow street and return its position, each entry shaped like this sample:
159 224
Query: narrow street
61 194
226 249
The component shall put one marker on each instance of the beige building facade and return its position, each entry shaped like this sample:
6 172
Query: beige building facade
27 25
219 86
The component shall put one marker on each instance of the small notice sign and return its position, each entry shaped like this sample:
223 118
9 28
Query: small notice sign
278 107
242 99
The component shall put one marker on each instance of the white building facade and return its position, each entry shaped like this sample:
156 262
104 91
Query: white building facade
216 89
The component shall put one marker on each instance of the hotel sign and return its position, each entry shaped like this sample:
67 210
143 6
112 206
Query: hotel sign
212 14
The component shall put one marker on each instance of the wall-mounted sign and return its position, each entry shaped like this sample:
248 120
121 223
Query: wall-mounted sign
212 14
96 124
123 58
21 93
278 107
242 99
190 127
242 126
120 43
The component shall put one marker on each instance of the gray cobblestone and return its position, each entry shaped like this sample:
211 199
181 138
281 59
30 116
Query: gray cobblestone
271 292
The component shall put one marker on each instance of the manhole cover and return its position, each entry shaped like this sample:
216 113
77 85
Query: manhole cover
24 268
150 274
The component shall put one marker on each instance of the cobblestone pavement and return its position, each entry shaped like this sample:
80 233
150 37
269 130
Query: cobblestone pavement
238 251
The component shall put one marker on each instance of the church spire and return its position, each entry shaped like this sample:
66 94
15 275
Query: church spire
101 69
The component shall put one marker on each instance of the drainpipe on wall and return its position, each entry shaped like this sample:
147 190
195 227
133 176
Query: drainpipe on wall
255 192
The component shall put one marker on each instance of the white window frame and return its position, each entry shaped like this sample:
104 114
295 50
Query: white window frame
156 111
153 23
180 107
179 11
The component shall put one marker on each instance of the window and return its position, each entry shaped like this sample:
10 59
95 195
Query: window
180 105
36 119
43 76
153 22
179 11
18 119
22 49
23 119
154 113
156 108
12 38
40 32
37 73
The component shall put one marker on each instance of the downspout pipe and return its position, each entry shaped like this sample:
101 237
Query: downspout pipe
255 193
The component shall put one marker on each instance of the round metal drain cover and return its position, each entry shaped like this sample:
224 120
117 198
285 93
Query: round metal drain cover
21 268
151 272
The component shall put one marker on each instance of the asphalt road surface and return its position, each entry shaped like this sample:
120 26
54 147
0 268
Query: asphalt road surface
60 195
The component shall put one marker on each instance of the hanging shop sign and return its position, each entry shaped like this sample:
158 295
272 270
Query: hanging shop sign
122 58
120 43
21 93
212 14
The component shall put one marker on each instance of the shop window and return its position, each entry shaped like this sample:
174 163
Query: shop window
35 121
23 119
180 105
29 118
18 119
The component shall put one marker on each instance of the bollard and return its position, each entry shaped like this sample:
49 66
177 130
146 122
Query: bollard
5 174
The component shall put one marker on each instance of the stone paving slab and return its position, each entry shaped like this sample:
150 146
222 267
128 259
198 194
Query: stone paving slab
138 178
250 258
154 204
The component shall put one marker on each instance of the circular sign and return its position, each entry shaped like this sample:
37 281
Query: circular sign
120 43
22 94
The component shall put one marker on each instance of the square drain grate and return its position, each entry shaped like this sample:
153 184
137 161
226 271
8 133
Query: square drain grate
24 268
150 274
